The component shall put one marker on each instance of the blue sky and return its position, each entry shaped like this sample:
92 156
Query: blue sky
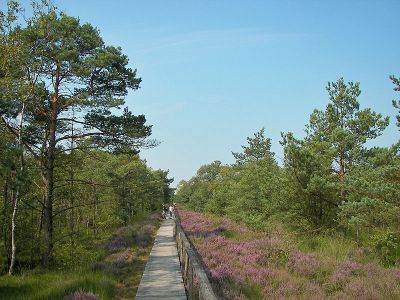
215 72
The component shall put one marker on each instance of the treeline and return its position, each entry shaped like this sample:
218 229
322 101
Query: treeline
69 164
329 180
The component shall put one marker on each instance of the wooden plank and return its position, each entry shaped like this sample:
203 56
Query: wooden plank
202 289
162 277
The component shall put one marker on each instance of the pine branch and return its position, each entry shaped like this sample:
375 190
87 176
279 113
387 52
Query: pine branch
15 132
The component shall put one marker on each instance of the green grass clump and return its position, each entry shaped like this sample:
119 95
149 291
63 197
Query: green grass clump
56 285
334 246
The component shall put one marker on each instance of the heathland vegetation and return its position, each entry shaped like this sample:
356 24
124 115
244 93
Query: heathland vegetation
70 173
324 223
75 215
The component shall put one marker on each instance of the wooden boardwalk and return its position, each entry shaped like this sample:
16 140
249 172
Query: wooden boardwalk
162 277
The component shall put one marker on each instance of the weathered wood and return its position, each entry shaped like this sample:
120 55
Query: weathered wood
191 268
162 278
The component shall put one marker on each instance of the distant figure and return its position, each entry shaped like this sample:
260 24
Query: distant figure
165 211
171 211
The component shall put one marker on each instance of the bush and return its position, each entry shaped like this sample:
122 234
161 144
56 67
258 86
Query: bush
123 238
143 236
81 295
388 247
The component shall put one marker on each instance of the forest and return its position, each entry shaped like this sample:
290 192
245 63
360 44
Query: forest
70 171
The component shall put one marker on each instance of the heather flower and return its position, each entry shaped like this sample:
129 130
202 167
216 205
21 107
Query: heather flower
340 295
243 259
359 288
122 238
229 293
396 275
81 295
344 271
195 223
303 263
221 271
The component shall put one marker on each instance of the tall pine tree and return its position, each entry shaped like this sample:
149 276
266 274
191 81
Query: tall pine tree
55 66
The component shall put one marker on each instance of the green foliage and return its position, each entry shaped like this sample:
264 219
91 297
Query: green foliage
258 190
249 191
367 214
309 171
95 191
72 256
69 84
342 129
258 148
388 247
89 78
319 166
333 192
396 104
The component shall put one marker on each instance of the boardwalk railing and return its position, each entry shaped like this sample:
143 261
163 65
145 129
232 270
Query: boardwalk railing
195 279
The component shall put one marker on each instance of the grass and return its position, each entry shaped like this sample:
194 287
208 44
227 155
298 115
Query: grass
56 285
334 246
115 276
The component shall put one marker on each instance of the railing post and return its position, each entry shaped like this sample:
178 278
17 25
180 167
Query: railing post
191 267
182 246
190 282
186 264
179 243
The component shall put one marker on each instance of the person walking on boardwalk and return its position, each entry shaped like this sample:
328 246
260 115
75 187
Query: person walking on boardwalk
171 212
165 211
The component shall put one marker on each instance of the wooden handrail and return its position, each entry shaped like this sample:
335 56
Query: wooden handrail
195 278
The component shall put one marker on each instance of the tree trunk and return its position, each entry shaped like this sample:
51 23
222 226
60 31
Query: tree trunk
48 205
40 229
13 247
72 215
94 208
5 208
341 175
9 250
71 192
32 263
17 193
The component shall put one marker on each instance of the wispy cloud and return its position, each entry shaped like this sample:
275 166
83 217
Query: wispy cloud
218 38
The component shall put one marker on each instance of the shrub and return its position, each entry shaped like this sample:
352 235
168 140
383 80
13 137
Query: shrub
122 238
303 263
143 236
388 247
344 271
81 295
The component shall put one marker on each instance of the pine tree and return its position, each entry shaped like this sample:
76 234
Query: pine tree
344 127
396 104
258 148
56 65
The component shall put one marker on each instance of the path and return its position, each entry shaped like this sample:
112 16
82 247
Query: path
162 277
